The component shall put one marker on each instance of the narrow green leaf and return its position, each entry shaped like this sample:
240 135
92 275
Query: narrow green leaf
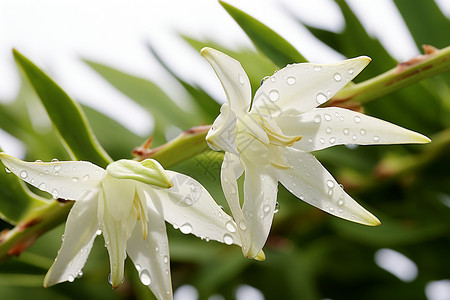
65 114
265 39
426 22
147 94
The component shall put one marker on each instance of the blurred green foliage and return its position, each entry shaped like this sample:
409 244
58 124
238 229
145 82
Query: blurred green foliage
310 255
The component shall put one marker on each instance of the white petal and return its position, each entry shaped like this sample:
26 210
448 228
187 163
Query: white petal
260 197
189 206
119 195
221 135
151 256
302 87
325 127
70 180
233 78
79 236
311 182
116 234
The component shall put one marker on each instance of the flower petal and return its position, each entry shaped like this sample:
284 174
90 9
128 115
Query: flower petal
308 180
189 206
151 256
260 197
325 127
81 230
233 78
116 233
222 134
70 180
119 195
302 87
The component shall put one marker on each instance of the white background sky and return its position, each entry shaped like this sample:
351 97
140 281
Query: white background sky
55 34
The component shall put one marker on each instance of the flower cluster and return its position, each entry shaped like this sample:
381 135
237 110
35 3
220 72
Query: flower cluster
269 140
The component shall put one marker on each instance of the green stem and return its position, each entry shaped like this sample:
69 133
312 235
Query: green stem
405 74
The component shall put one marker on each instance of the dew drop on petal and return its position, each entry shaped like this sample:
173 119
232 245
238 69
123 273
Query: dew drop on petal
98 232
23 174
277 208
321 98
75 179
145 277
266 208
85 177
55 193
7 170
228 239
274 95
166 259
291 80
328 130
327 117
317 119
350 71
80 274
317 68
322 141
264 79
376 138
331 208
57 168
138 268
186 228
346 131
341 201
330 183
230 226
357 119
363 132
332 140
241 78
55 160
337 77
70 278
243 225
42 186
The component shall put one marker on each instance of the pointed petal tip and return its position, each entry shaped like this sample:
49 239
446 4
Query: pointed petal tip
206 51
261 256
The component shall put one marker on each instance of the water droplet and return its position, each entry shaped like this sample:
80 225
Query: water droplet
363 132
277 208
291 80
332 140
145 277
321 98
337 77
75 179
346 131
330 183
38 161
357 119
264 79
241 78
55 194
80 274
23 174
85 177
243 225
156 249
301 197
98 232
55 160
266 208
322 141
70 278
230 226
327 117
186 228
274 95
62 238
7 170
317 68
350 71
317 119
328 130
376 138
273 79
331 208
228 239
42 186
57 168
33 181
341 201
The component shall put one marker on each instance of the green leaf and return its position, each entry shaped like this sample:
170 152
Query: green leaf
265 39
426 22
65 114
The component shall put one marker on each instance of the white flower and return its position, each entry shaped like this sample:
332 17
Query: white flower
112 202
271 141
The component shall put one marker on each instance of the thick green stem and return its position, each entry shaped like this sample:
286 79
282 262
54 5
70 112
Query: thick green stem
434 62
